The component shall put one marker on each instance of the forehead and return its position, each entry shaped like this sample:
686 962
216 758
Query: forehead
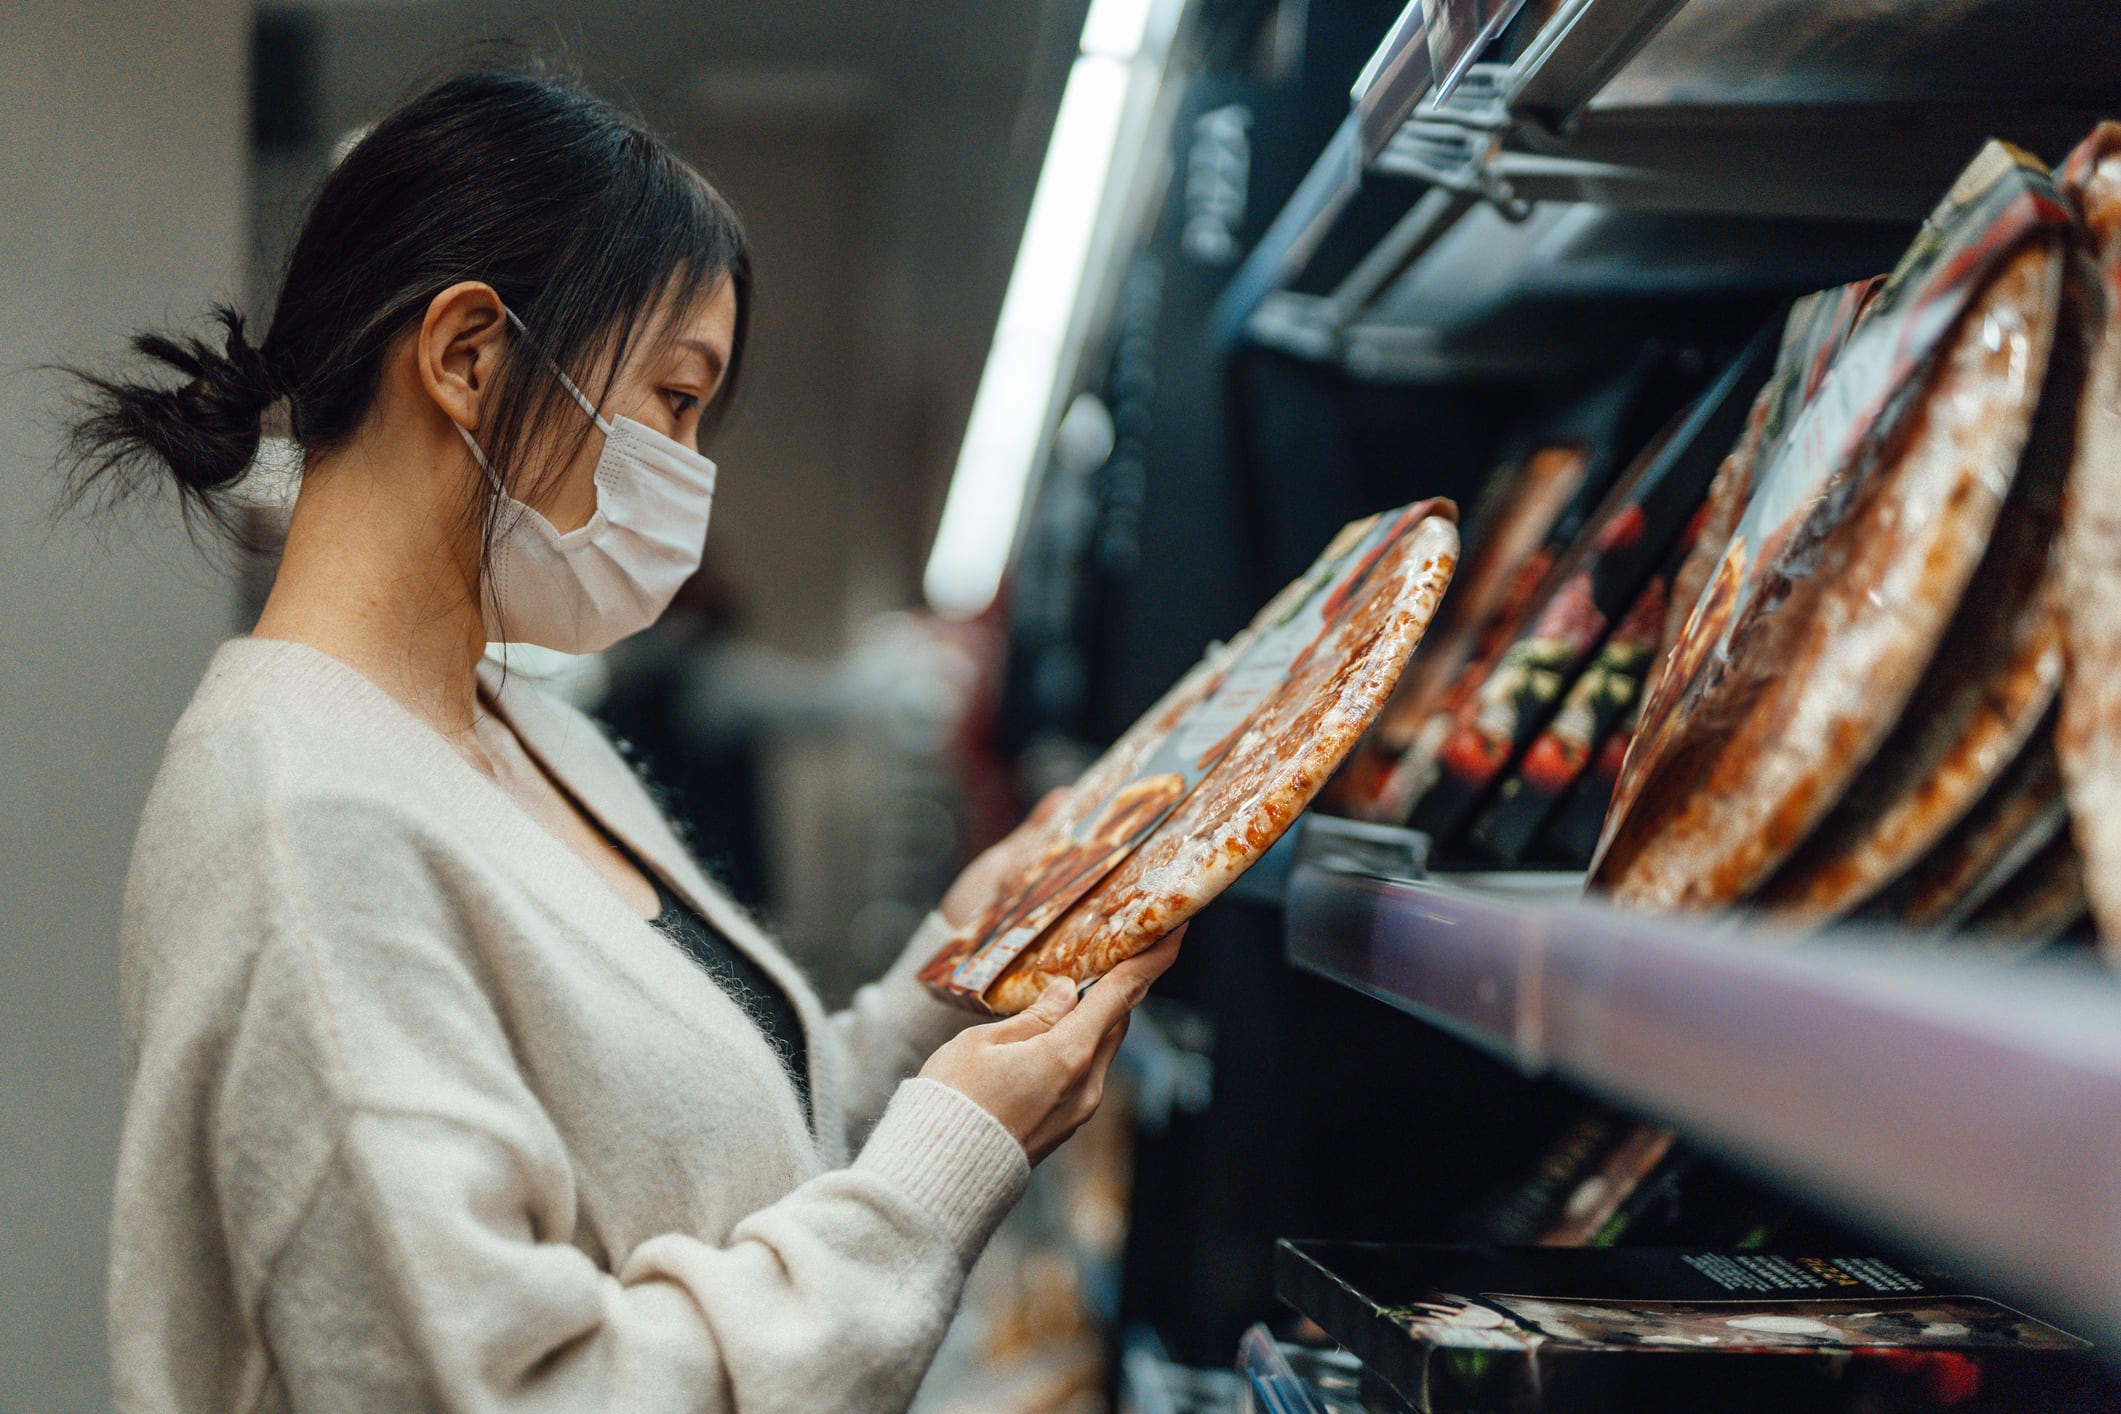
708 327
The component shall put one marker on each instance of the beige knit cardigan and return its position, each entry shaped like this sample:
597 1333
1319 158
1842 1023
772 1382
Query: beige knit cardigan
421 1116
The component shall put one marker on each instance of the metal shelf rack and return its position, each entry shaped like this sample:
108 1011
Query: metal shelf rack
1576 51
1967 1108
1822 113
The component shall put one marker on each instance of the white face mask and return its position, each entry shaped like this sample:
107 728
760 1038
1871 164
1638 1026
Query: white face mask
584 591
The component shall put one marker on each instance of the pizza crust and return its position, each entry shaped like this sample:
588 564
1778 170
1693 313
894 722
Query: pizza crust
2021 813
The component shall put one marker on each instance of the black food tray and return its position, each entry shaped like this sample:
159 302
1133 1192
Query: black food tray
1485 1330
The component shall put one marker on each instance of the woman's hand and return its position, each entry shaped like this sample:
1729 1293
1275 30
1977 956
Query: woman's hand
1042 1071
974 889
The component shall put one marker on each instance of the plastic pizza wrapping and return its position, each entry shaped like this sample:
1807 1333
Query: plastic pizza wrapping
1213 774
1862 533
2088 737
1986 691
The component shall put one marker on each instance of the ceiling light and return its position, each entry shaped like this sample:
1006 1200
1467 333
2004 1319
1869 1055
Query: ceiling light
1012 411
1116 28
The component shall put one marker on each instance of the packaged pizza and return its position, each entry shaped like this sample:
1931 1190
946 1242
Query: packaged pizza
1414 767
1538 512
1211 776
1593 586
2089 737
1812 336
1975 708
1510 547
1572 831
1814 331
1851 558
1600 697
2018 817
1984 694
1680 1327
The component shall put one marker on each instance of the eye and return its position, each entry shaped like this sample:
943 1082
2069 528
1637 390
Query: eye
682 403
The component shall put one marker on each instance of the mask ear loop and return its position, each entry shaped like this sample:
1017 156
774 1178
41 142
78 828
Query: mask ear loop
478 453
561 374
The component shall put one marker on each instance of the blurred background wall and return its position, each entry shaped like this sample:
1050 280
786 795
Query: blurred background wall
122 160
156 157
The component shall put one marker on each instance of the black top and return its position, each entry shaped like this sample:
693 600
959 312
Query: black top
748 984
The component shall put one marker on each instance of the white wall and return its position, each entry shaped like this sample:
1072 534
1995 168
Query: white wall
121 173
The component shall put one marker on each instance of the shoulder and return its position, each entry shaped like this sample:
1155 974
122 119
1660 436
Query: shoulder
278 738
283 780
299 844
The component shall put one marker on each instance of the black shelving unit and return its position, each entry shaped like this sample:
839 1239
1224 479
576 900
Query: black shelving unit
1601 172
1968 1109
1599 179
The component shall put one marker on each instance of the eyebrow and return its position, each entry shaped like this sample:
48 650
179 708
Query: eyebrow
715 360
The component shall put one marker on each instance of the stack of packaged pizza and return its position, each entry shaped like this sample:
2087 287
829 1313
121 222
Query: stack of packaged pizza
1865 658
1891 690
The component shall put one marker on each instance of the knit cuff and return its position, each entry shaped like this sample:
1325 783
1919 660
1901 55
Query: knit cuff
953 1159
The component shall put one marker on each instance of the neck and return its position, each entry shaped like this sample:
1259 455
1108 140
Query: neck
381 572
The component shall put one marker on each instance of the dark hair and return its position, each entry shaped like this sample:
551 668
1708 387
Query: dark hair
581 219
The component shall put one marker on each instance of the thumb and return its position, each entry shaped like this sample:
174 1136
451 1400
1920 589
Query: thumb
1041 1016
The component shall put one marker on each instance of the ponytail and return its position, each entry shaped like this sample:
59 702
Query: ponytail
202 433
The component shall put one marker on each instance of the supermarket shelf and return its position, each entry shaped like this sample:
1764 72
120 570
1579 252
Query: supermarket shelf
1823 111
1968 1109
1293 238
1395 79
1576 51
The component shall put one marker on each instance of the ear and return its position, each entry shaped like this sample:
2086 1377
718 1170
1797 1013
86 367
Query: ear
458 350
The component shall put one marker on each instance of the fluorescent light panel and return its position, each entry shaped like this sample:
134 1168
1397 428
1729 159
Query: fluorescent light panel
1116 28
1010 413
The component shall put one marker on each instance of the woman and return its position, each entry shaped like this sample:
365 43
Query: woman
453 1083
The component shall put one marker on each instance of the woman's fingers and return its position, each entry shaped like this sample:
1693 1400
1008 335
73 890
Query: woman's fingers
1041 1016
1107 1047
1042 1071
1157 960
1120 990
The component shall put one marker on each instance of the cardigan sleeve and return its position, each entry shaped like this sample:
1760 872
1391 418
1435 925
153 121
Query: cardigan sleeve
433 1261
888 1031
424 1275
